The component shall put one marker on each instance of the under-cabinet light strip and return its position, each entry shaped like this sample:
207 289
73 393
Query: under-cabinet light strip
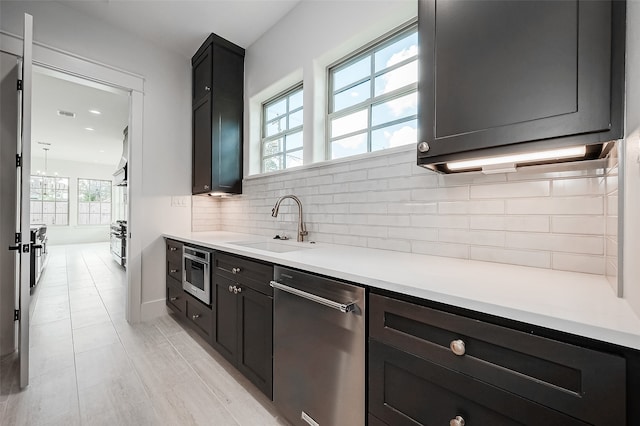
555 154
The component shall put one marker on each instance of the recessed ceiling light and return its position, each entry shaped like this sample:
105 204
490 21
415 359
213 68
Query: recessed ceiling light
95 111
91 129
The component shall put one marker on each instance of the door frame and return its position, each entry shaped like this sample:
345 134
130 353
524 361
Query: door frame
48 57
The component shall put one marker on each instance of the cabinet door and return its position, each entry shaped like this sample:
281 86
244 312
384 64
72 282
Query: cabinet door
407 390
255 336
497 73
201 149
225 319
226 131
202 76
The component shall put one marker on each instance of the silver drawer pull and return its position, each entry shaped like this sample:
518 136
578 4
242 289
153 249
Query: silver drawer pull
207 88
230 289
237 290
173 271
235 270
173 299
195 317
342 307
457 347
458 421
173 248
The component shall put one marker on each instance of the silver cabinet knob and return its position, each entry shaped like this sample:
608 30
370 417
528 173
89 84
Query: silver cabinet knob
237 290
207 88
457 347
235 270
173 248
173 299
458 421
196 316
423 147
173 271
206 187
231 289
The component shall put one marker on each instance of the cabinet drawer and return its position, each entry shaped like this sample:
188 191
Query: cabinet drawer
407 390
200 316
250 273
176 297
174 252
174 270
583 383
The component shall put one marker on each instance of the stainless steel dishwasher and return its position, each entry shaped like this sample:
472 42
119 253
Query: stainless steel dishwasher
318 349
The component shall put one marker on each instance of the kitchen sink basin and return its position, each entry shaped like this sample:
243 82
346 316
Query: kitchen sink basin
272 246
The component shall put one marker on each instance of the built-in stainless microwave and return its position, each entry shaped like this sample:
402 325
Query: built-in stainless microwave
196 273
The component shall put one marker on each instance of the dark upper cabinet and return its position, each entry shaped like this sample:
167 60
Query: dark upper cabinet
217 104
500 77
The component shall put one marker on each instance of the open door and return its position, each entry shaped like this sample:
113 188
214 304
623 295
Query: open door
22 245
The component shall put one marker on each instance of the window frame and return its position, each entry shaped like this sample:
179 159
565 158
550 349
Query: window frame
89 214
369 50
264 139
54 201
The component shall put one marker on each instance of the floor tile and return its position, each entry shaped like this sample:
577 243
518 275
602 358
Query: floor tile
141 414
49 399
94 336
101 365
89 316
122 392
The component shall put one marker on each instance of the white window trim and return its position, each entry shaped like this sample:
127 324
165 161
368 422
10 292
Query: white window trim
367 50
101 203
289 131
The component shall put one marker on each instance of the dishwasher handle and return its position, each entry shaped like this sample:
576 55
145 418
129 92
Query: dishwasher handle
342 307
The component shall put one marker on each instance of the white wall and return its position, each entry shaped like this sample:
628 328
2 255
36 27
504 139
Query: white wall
167 119
631 235
74 233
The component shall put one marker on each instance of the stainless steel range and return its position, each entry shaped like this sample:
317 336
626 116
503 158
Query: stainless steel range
119 242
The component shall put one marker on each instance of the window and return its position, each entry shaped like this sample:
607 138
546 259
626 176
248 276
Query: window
49 200
282 131
373 97
94 202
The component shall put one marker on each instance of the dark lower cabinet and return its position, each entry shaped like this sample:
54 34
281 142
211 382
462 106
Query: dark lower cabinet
427 367
243 309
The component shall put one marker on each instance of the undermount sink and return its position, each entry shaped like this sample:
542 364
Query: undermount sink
272 246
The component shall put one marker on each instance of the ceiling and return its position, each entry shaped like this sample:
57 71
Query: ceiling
182 25
69 137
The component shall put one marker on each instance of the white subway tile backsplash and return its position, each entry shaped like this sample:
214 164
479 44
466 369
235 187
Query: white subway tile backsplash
511 190
577 263
538 259
569 187
441 194
525 223
590 205
486 207
453 207
556 243
389 244
593 225
561 216
460 251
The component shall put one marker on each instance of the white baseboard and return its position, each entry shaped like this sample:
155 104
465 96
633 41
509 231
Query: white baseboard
153 309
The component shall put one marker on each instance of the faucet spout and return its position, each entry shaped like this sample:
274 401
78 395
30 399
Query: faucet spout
302 231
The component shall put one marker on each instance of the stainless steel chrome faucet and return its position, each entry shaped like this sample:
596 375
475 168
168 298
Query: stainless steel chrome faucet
302 231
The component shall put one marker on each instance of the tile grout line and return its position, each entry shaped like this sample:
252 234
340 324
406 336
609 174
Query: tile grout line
73 345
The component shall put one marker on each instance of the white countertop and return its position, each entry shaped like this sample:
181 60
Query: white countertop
576 303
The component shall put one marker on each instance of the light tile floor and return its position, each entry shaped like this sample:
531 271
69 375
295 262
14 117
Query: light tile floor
88 366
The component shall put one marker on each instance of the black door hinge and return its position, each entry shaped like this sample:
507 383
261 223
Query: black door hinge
19 84
18 160
16 315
